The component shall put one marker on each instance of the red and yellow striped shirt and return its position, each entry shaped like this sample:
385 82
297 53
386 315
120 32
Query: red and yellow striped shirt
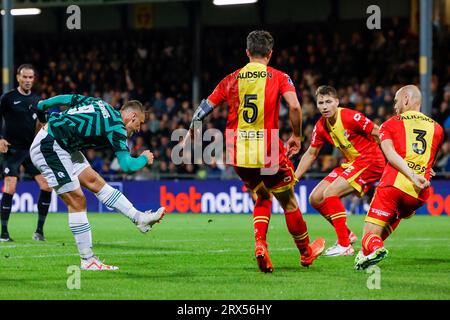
253 95
417 139
351 134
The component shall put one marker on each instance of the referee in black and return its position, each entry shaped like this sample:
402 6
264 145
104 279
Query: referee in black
18 126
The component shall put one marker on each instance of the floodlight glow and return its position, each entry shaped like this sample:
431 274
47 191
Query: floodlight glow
23 12
230 2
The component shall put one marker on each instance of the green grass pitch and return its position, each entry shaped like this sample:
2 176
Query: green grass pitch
193 256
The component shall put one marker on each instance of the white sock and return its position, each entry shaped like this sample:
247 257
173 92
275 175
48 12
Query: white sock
113 198
81 229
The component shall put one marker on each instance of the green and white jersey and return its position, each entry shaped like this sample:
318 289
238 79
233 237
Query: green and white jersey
86 123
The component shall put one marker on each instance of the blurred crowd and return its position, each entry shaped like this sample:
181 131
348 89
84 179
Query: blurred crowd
155 67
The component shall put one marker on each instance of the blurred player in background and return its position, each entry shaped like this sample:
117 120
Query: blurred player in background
253 95
410 142
17 109
89 123
356 137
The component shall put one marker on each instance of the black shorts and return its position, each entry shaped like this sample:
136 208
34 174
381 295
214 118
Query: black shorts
16 157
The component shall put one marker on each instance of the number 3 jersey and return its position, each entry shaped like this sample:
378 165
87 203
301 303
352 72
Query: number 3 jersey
417 139
88 123
253 95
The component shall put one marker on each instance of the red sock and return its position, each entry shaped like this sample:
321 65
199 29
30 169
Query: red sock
323 210
297 228
389 228
371 242
261 217
336 211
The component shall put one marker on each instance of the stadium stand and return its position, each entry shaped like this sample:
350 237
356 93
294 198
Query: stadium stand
155 68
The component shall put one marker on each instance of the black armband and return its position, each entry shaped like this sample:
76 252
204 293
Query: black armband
201 112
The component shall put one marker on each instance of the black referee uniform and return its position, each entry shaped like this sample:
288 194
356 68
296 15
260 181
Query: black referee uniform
18 127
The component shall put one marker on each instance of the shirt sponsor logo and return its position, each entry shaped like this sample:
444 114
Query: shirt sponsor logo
416 167
254 74
416 117
251 134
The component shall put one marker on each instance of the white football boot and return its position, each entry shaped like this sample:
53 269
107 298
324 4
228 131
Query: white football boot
148 218
338 250
94 264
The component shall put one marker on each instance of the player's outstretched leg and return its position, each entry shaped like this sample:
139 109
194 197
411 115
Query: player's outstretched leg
113 198
261 218
148 218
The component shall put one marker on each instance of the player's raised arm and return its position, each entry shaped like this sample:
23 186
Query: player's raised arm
400 164
295 116
56 101
306 161
203 110
206 106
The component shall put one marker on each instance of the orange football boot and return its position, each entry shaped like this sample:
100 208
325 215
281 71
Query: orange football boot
262 257
315 249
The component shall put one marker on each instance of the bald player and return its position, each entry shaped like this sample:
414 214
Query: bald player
410 142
